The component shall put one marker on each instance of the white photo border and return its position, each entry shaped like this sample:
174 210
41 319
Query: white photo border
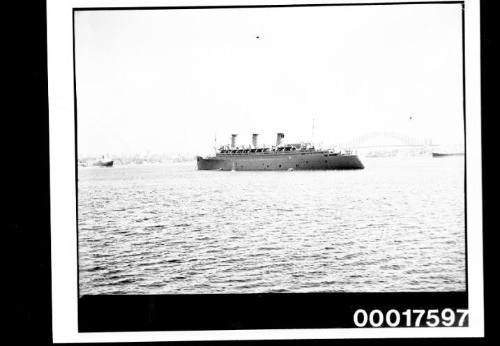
63 181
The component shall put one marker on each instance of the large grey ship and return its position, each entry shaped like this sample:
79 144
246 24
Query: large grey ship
300 156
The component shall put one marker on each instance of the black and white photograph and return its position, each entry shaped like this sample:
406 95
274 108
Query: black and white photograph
272 150
270 158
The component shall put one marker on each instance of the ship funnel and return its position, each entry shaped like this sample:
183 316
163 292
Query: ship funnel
279 137
255 136
233 141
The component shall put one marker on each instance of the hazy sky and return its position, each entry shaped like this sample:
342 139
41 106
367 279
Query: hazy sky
167 81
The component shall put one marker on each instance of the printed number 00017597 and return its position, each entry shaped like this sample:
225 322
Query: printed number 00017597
411 318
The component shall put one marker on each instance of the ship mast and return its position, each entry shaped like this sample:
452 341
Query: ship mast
312 133
215 142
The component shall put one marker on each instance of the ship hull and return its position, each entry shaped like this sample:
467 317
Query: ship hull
280 162
446 154
104 164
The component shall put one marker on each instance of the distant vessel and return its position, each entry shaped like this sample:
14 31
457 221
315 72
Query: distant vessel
103 163
281 157
446 154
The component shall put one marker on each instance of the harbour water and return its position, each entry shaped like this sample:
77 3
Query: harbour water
397 225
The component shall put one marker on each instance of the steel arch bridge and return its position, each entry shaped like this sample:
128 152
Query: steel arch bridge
401 140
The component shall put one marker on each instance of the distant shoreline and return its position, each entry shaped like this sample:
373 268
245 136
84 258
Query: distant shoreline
144 164
137 160
193 161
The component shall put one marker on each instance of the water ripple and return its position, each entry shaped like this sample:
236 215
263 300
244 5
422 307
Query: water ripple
397 225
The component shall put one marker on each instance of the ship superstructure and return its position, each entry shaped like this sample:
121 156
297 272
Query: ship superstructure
299 156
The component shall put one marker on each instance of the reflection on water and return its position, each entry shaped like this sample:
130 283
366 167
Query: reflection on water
397 225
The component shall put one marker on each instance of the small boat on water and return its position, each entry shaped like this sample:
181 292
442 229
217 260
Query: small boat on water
446 154
103 163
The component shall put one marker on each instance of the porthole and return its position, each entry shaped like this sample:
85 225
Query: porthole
326 161
279 166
